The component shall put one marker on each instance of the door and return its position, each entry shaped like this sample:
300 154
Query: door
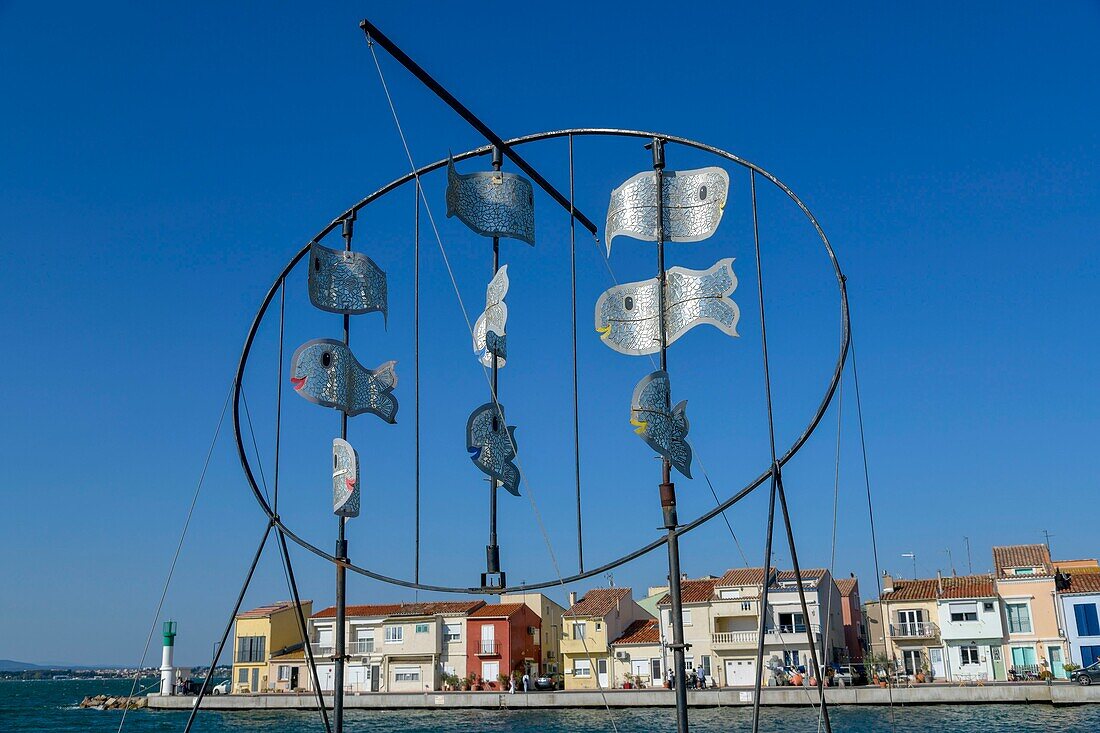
909 622
912 661
488 641
255 679
375 674
740 672
998 663
293 678
1054 654
601 671
935 660
490 670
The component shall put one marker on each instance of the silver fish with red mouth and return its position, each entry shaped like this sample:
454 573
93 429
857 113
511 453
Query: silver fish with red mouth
326 373
345 479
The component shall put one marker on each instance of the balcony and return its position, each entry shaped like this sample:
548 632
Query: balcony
915 630
488 648
733 640
322 650
784 635
361 647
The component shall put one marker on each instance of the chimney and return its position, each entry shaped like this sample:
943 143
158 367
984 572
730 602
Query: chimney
939 581
572 598
887 582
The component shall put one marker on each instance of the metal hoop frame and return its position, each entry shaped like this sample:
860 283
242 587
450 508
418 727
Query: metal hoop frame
845 340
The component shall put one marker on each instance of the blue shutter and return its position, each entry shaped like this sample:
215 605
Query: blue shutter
1087 622
1089 654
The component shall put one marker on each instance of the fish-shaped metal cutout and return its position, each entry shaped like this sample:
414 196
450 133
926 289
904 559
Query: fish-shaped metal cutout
626 315
492 203
489 334
693 203
345 282
345 479
493 448
664 430
325 371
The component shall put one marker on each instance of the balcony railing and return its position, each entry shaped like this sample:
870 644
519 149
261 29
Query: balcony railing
363 646
322 650
915 630
487 647
733 639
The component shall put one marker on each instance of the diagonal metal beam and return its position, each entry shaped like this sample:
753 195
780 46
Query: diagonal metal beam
375 35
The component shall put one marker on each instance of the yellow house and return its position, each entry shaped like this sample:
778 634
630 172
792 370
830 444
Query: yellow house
260 634
902 624
601 615
1035 634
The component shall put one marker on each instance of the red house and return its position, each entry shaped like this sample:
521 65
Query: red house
501 639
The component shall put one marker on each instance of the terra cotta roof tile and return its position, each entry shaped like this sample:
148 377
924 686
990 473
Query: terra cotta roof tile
599 602
643 631
1022 556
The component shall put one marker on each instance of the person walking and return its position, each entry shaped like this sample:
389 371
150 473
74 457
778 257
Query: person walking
511 684
526 681
701 673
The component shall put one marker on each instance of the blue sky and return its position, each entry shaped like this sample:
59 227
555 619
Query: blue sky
161 164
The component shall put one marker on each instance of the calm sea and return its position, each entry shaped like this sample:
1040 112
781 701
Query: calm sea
51 706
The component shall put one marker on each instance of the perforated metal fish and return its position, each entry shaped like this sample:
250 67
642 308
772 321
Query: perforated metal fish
345 282
325 372
626 315
663 429
492 449
345 479
693 204
492 203
489 330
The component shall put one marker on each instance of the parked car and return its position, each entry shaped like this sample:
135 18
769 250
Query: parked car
846 675
550 682
1086 675
222 688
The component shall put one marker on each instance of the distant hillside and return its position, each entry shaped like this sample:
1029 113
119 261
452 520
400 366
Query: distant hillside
10 665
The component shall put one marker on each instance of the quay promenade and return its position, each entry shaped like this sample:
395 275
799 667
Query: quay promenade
937 694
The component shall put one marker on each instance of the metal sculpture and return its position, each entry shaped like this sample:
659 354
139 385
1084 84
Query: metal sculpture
626 315
326 373
492 445
492 203
342 281
692 205
663 429
345 479
490 338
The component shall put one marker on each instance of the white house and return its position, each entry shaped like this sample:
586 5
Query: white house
970 627
1080 599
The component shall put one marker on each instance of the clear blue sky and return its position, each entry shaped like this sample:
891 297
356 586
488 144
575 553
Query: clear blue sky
158 166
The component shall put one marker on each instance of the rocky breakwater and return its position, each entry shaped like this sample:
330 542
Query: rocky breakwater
110 702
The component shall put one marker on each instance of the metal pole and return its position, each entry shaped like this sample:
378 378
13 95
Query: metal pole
969 565
667 488
416 368
576 407
492 550
762 626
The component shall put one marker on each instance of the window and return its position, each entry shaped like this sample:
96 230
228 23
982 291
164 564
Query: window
1089 654
729 593
705 661
790 657
578 631
655 669
452 632
1023 571
251 648
964 611
791 622
395 634
582 668
242 676
284 672
490 671
988 605
599 626
912 660
968 654
1087 622
421 628
746 605
406 674
686 614
1019 618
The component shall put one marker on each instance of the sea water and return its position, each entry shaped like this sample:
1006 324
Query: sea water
52 706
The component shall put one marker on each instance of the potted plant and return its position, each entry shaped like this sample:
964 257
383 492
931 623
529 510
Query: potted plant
628 680
921 675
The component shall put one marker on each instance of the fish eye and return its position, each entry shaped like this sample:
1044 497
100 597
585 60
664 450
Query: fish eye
326 359
703 192
316 264
335 462
629 303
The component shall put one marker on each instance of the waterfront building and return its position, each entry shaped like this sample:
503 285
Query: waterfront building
549 613
589 625
852 618
1079 594
502 639
1035 631
638 655
288 670
259 635
699 614
902 625
970 627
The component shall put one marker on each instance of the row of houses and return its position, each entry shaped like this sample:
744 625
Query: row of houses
604 639
1029 617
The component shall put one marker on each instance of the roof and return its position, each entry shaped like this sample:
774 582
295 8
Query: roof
268 610
693 591
928 589
1086 583
740 577
811 574
1021 556
599 602
643 631
430 608
912 590
847 586
500 610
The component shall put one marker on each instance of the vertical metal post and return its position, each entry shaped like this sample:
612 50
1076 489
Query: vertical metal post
340 652
576 407
762 625
667 488
416 367
492 550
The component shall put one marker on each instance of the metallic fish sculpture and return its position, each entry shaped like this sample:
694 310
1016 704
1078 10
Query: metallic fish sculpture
489 334
325 372
492 203
345 479
693 203
664 430
345 282
626 315
493 448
